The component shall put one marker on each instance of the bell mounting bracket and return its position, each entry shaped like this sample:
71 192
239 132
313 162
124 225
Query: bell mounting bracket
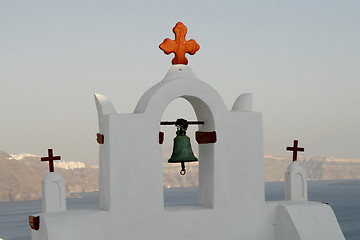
182 124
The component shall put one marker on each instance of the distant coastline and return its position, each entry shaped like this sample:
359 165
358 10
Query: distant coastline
21 174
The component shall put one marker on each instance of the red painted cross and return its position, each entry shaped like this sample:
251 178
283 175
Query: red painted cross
295 149
179 46
51 159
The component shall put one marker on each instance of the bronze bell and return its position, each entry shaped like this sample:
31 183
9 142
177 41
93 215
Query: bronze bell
182 151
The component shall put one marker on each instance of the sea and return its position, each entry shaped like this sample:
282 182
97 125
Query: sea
342 195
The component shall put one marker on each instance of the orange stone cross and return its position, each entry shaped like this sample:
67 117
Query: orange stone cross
179 46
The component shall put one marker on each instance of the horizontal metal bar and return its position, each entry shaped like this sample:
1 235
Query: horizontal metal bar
189 123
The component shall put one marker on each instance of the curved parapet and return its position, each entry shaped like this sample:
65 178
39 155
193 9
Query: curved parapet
104 108
103 105
243 103
306 220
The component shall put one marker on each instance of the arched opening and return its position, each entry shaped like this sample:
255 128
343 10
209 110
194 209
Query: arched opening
208 107
205 193
179 190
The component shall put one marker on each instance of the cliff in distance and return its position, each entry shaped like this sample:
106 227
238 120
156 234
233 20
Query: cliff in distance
317 168
21 174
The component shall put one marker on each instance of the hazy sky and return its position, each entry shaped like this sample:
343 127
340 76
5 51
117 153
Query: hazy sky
300 59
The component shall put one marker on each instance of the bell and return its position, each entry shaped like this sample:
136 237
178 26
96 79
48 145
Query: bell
182 151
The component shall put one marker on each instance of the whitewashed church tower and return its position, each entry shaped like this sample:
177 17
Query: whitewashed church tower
231 173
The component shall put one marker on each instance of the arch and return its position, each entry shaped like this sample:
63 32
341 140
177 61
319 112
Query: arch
181 82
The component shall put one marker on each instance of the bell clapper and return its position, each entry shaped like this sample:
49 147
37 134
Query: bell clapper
183 171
